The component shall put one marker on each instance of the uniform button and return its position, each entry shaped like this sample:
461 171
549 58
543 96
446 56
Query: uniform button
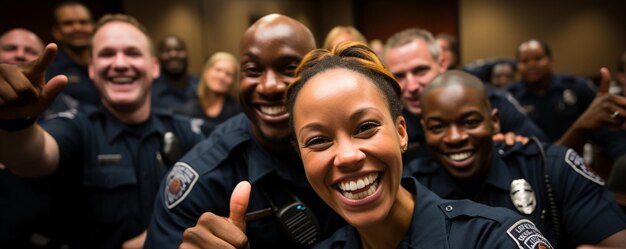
501 151
449 208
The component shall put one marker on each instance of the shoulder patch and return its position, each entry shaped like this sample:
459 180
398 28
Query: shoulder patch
527 236
179 181
578 164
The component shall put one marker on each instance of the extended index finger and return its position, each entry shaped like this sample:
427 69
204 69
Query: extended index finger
605 81
35 70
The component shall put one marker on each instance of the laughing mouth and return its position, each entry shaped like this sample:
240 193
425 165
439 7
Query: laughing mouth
275 110
359 188
122 80
460 156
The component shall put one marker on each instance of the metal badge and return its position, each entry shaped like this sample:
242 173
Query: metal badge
569 97
523 196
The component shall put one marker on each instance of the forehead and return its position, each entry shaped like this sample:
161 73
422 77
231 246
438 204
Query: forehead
275 40
19 37
454 97
416 50
172 42
72 12
115 34
531 47
342 85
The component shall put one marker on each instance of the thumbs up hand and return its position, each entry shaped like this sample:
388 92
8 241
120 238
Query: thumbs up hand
213 231
23 90
606 109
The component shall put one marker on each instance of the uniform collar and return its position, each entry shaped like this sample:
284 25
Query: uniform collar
113 128
440 181
261 163
499 175
428 225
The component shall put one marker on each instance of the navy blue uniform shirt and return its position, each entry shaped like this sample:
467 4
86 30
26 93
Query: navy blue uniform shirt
80 87
512 119
438 223
109 172
555 111
166 96
205 178
588 211
193 109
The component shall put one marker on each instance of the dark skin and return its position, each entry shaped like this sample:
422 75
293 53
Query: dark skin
174 60
535 66
466 124
459 124
270 51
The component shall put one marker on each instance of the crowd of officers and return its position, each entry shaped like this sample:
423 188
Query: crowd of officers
97 152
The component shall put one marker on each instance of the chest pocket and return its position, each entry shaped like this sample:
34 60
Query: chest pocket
111 187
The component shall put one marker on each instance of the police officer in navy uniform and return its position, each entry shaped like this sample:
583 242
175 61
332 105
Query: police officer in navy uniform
570 206
174 86
254 147
72 30
413 57
552 101
347 122
108 159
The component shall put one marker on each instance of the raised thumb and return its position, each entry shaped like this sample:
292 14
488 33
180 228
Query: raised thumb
239 204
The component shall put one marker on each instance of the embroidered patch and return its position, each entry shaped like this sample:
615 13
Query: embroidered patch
526 235
523 196
180 181
578 164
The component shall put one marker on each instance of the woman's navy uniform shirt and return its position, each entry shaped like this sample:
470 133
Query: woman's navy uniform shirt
588 211
204 180
438 223
109 172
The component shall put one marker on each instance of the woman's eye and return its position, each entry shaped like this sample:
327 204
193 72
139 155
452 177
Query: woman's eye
367 127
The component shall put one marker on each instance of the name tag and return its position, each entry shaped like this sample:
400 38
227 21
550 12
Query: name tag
109 159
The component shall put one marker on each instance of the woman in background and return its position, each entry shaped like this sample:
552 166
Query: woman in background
341 34
215 100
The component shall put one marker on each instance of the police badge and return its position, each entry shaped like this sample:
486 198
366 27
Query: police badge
569 97
523 196
180 181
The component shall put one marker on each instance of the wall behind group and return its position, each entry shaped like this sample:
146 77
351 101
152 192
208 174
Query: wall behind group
584 35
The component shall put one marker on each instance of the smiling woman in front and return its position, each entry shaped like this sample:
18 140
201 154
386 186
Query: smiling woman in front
347 123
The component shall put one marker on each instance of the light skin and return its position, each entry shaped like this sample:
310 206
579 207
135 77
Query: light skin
270 51
123 70
446 52
414 67
345 132
219 78
18 46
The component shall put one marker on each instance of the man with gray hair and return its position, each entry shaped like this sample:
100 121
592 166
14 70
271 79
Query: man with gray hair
414 58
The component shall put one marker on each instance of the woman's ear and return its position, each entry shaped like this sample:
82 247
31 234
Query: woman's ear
402 134
495 120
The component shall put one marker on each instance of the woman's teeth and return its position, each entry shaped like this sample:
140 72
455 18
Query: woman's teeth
363 187
460 156
273 110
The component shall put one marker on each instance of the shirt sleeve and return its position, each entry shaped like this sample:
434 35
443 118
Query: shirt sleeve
512 117
589 212
67 130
